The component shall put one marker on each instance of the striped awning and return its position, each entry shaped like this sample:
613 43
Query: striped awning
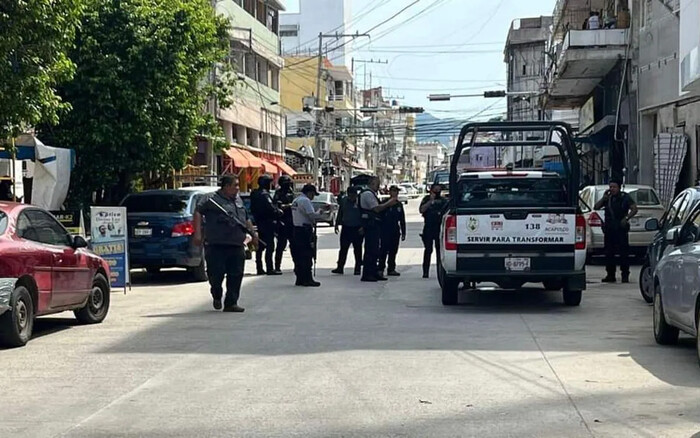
285 168
239 160
253 161
269 167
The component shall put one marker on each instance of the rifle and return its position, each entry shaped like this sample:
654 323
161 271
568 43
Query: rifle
236 222
315 243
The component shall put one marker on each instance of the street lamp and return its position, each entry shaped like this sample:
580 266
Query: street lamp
485 94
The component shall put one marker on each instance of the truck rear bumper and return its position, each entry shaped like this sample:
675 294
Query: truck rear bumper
572 280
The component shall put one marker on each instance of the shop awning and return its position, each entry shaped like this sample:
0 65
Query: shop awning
269 167
253 161
285 168
239 160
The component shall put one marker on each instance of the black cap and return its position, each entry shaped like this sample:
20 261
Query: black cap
309 188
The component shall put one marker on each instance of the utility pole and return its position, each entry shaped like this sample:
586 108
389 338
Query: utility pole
320 113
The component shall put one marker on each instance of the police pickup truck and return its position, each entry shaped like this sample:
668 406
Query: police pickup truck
514 226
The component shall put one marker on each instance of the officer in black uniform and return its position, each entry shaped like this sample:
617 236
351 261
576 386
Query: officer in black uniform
284 196
619 209
224 240
371 210
393 230
266 215
432 208
350 219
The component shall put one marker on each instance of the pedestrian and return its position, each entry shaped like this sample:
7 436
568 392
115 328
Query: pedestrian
224 241
284 196
350 219
393 231
371 211
304 238
431 207
619 209
266 215
594 20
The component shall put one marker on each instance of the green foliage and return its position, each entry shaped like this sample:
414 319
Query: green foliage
34 38
140 92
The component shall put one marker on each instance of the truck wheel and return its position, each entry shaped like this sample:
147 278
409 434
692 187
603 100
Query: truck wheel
17 323
95 311
553 285
450 291
199 273
664 333
572 297
440 273
646 282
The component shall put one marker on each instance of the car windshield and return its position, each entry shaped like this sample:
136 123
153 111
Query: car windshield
512 192
442 178
157 202
642 196
3 222
323 197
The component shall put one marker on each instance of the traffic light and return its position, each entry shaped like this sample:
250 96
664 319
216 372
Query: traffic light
410 110
499 93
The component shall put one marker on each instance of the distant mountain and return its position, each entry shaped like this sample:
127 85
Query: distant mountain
431 128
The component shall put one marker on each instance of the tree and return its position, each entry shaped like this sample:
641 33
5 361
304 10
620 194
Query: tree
140 90
34 39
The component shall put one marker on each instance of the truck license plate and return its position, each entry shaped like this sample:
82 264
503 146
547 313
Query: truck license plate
143 232
517 264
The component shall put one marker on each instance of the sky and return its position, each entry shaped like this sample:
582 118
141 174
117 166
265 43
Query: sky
455 46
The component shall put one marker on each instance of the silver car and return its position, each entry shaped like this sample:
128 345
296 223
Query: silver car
677 283
639 238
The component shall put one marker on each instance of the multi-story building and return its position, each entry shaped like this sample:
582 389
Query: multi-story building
299 31
254 125
588 68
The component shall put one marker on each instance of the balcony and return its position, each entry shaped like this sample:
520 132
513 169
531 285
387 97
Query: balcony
583 59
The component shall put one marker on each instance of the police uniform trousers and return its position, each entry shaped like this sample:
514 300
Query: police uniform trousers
303 253
350 236
371 257
389 247
284 236
225 261
431 239
266 232
616 244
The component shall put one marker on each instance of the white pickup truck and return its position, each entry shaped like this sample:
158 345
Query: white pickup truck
512 227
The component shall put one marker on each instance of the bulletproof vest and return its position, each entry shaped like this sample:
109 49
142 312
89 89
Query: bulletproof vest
369 217
261 206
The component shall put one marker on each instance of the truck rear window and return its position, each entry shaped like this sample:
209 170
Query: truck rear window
156 202
512 192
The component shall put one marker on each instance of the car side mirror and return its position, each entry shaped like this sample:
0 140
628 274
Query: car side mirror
652 225
79 242
672 235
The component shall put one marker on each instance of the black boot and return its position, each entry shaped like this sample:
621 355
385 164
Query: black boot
259 268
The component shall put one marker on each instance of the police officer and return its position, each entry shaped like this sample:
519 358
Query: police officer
304 240
371 210
393 229
284 196
619 209
224 240
266 215
350 218
431 207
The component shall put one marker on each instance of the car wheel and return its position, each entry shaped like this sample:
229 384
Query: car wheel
450 290
572 297
17 323
646 282
553 285
664 333
97 306
199 273
697 331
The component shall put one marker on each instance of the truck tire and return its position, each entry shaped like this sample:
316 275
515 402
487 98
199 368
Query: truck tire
572 297
664 333
17 324
553 285
450 291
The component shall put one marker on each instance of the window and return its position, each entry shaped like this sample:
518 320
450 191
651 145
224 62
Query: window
512 192
289 33
261 66
275 78
157 202
250 65
304 124
3 222
524 69
39 226
671 216
339 88
644 197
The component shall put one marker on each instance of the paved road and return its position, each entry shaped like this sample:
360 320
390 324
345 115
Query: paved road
352 359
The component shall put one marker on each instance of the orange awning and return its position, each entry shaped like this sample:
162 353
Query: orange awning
253 161
269 167
285 168
239 160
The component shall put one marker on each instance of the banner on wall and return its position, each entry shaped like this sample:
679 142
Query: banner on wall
72 220
110 241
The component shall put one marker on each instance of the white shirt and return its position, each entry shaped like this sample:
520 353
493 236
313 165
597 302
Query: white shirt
368 200
303 212
594 22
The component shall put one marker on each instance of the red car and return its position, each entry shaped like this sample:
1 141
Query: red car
44 270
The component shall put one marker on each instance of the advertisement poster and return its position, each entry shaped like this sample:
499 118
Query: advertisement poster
72 220
110 241
495 229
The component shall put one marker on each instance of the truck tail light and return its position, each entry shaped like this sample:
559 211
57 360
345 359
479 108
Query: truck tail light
594 220
581 232
183 229
451 233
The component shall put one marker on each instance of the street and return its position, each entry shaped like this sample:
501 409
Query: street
353 359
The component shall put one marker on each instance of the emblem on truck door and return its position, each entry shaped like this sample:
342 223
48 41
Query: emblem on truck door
473 224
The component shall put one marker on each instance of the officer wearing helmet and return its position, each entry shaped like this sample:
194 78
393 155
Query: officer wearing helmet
266 215
284 196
